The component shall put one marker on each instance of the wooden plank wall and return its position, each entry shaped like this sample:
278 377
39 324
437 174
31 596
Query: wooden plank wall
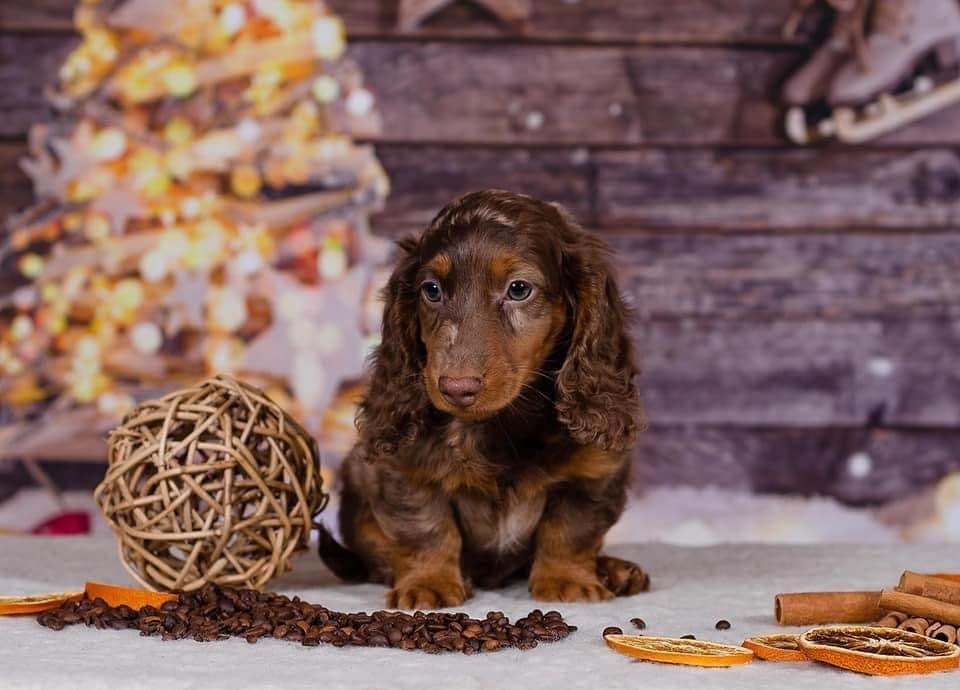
796 306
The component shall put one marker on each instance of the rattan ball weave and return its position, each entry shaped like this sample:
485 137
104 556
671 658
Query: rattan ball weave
214 483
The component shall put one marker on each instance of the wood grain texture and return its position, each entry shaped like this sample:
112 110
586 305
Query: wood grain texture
424 179
769 277
742 188
588 21
527 93
654 189
28 62
801 373
786 299
695 190
16 191
797 461
699 188
670 275
456 92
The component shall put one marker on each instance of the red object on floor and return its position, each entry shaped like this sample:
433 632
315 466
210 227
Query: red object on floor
70 522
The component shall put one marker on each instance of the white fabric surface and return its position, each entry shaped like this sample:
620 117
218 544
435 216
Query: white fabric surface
693 588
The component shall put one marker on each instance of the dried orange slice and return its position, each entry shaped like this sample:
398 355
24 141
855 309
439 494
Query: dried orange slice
879 651
34 603
776 647
134 598
669 650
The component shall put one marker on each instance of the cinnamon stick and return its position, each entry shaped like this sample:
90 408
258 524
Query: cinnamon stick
915 625
930 586
920 606
892 619
942 590
808 608
943 632
953 577
911 582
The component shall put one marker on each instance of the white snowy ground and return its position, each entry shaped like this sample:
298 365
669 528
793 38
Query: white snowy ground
693 587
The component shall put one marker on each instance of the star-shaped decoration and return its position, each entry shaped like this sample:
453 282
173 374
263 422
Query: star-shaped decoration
512 13
71 160
120 203
315 341
186 301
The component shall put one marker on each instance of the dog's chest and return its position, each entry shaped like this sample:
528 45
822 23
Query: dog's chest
498 508
502 524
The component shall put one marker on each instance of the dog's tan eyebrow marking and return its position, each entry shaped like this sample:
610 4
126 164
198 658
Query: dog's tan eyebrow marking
503 263
440 265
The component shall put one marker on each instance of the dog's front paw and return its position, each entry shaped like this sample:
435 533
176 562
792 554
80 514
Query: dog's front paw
621 577
568 588
427 593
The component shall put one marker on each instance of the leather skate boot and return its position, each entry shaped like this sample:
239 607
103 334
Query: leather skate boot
807 86
903 33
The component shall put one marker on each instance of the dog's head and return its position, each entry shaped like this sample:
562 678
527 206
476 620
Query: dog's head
502 296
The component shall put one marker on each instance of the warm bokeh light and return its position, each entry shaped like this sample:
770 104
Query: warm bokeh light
210 234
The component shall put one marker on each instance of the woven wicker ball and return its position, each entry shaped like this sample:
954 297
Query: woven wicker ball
213 483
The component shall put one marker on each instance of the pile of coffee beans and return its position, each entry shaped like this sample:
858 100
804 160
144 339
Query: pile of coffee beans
217 613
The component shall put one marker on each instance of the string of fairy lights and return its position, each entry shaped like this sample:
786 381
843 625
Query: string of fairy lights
199 191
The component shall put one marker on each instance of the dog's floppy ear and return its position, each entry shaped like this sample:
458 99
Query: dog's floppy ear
393 409
596 397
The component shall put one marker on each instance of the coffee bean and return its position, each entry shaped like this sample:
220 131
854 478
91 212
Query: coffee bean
612 630
688 637
723 624
51 621
639 623
216 613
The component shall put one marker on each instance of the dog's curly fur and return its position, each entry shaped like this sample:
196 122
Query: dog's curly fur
529 473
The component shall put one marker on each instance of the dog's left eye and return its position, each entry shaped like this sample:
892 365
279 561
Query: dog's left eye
519 290
431 290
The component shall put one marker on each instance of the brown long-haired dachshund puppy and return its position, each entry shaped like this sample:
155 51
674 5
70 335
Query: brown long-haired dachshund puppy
495 437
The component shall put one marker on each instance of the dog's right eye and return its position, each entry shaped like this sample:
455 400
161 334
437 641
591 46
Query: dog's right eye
431 290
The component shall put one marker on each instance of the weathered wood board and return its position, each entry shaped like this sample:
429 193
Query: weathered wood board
587 21
762 188
693 188
664 189
528 93
892 464
794 306
801 373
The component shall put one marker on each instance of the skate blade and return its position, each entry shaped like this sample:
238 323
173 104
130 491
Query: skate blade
891 112
802 132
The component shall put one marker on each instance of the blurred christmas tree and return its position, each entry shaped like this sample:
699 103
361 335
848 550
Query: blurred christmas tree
201 208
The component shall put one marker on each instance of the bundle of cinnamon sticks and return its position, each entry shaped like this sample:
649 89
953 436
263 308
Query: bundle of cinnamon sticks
928 604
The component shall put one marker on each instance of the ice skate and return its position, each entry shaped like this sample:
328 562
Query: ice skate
913 69
804 93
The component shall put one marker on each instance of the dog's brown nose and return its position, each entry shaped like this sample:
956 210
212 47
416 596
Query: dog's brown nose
462 391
